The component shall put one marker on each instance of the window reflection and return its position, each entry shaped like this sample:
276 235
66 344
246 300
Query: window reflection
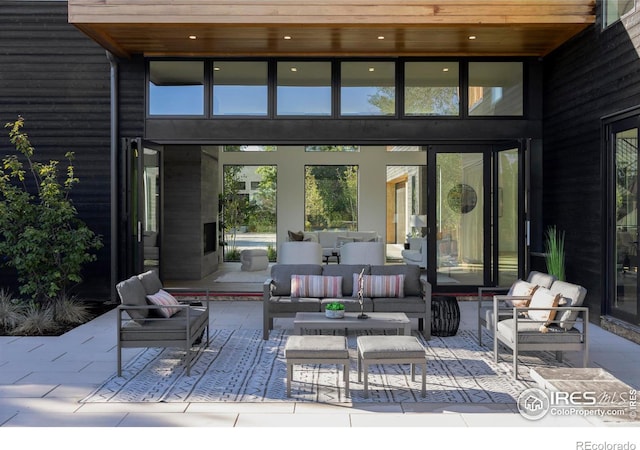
368 89
240 88
304 88
495 89
431 89
176 88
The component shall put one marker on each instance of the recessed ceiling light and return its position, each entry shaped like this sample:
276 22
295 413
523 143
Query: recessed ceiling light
193 37
286 38
294 69
445 69
381 38
216 68
372 69
472 37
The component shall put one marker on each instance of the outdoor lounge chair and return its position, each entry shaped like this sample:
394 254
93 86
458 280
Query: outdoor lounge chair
142 324
485 308
543 325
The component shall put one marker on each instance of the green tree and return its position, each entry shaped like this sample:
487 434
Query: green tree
235 206
40 233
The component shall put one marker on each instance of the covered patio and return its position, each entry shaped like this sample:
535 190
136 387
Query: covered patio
45 379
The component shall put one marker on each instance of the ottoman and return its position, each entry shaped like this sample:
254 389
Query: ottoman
391 350
318 349
253 260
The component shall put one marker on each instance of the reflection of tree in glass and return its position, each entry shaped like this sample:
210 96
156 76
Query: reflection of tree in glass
441 101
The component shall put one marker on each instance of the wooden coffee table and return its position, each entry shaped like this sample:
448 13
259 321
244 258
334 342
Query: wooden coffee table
376 321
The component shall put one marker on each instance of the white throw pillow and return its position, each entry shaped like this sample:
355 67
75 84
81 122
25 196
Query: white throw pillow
520 289
543 298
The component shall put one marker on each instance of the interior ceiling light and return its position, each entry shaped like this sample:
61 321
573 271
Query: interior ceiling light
372 69
445 69
381 38
216 68
472 38
294 69
286 38
193 37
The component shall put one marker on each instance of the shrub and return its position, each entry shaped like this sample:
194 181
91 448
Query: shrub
37 320
40 234
69 310
272 253
10 311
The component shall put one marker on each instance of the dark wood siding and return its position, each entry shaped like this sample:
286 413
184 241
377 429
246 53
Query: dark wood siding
594 75
58 80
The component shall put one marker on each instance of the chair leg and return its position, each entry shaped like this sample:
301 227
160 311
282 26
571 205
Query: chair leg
119 361
424 379
289 377
515 363
345 376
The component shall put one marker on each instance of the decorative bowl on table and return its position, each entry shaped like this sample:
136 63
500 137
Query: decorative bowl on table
334 310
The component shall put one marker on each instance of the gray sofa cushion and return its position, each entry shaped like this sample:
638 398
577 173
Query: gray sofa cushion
133 293
346 271
411 304
529 332
151 282
161 329
281 276
411 276
294 305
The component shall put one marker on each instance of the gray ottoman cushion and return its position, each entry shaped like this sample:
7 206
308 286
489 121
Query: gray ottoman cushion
316 347
390 347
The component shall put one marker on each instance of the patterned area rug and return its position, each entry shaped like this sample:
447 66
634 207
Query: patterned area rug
239 366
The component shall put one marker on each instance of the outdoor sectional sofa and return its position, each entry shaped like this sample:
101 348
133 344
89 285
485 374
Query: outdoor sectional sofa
280 301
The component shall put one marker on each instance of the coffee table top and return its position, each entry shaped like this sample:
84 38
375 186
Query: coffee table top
386 318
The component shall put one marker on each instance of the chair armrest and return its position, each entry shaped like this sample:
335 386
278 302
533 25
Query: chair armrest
425 286
482 290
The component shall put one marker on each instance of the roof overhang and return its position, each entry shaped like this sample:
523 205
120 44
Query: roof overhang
317 28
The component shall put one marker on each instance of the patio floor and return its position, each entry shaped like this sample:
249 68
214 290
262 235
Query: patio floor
42 380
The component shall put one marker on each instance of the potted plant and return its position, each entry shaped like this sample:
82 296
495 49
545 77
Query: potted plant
554 249
334 310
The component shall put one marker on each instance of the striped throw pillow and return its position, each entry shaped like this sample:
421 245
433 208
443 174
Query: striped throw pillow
163 298
316 286
380 285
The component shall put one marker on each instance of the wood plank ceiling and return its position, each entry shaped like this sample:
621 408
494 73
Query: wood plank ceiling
340 28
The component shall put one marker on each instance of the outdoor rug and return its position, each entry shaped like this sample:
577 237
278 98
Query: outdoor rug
239 366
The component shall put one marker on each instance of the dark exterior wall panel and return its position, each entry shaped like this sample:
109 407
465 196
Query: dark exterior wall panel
58 80
594 75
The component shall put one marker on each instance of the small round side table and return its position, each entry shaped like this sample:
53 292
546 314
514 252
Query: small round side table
445 315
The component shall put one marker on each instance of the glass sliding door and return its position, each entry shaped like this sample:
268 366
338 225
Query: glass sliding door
460 249
506 213
152 211
131 204
624 302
